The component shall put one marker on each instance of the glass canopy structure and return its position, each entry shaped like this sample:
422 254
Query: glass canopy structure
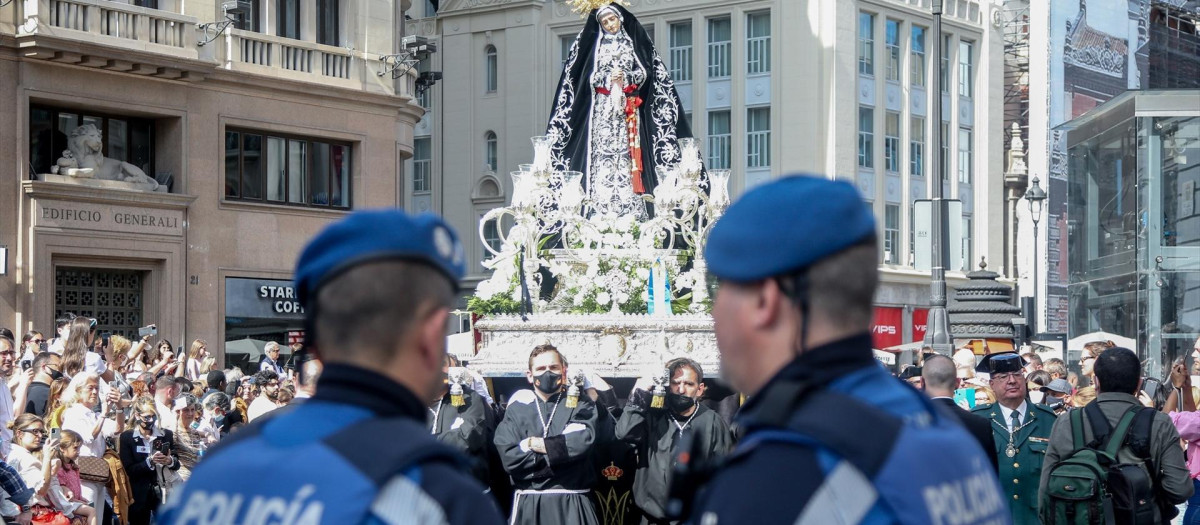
1134 223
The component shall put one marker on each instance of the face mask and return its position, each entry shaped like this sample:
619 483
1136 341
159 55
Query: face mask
547 382
1036 397
679 403
55 375
219 420
147 422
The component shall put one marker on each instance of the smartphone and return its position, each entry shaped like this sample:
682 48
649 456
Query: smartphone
26 364
43 347
54 433
151 330
104 338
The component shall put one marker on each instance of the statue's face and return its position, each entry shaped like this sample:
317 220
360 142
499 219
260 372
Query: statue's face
610 23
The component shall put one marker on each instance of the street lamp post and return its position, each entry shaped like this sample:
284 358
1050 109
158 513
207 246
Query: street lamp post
1036 197
938 334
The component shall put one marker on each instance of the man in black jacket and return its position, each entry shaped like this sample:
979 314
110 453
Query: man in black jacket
146 452
940 383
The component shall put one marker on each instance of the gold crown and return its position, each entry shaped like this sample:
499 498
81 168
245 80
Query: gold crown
583 7
612 471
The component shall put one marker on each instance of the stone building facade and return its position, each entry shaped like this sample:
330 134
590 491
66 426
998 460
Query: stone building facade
258 134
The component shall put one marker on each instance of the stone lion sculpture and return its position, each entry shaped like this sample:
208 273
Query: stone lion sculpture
86 145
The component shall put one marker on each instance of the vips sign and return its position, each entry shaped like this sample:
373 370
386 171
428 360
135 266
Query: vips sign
888 327
261 298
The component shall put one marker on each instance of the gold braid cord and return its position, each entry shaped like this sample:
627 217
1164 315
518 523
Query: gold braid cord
583 7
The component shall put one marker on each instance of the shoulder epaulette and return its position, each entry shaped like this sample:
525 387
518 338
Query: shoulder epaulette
982 408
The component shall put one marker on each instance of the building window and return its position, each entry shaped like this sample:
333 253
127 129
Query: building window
430 8
917 57
866 137
720 48
286 169
127 139
758 138
891 142
490 151
965 154
892 41
152 4
248 21
891 234
967 254
916 147
965 70
491 234
866 44
758 43
288 18
944 72
720 146
681 51
564 47
328 20
491 73
944 165
422 165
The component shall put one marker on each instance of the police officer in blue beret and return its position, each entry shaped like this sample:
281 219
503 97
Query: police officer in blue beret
377 288
830 436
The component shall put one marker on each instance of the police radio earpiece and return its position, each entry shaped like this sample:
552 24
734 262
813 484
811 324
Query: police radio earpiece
689 472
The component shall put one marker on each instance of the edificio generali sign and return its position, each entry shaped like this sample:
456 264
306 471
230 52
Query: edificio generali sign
261 298
107 217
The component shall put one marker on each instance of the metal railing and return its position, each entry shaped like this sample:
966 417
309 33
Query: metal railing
720 148
758 149
758 55
719 58
681 63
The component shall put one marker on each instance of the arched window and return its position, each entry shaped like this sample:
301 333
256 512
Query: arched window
490 148
491 69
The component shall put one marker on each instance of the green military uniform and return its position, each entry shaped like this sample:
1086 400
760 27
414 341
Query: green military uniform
1021 472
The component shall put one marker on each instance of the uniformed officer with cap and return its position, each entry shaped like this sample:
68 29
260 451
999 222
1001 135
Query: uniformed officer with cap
377 287
1021 430
830 436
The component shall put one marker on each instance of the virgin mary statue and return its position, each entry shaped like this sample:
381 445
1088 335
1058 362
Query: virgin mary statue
617 116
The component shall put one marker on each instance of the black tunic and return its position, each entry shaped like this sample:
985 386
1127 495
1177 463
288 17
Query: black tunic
467 428
567 470
655 432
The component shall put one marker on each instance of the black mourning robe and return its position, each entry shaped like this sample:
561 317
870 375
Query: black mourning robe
467 429
569 463
661 119
654 435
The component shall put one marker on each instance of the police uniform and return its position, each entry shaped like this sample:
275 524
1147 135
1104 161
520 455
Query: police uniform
833 437
360 450
1021 452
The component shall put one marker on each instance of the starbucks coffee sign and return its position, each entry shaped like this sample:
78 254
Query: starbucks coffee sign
261 298
107 217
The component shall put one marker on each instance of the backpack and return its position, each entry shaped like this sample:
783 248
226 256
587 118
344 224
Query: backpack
1089 485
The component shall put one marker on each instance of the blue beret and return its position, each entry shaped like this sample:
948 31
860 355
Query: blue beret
786 225
374 235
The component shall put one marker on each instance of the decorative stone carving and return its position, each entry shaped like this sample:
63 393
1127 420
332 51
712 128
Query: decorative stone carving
84 163
611 345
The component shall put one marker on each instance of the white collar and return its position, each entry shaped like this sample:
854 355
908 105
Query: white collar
1007 412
